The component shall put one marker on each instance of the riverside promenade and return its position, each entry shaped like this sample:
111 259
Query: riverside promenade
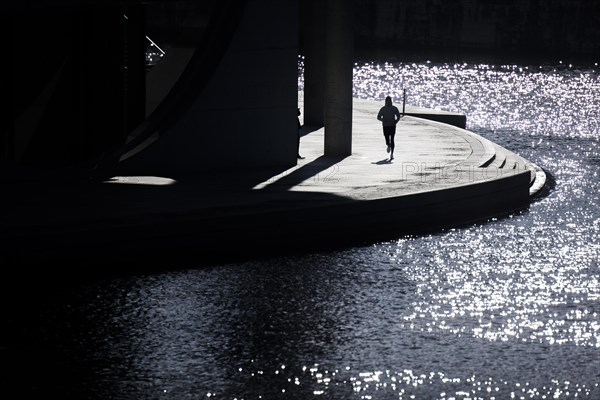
441 176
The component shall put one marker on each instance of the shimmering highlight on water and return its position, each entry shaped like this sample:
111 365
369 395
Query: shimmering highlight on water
534 100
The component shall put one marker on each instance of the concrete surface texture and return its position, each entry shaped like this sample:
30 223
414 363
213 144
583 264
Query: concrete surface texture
441 176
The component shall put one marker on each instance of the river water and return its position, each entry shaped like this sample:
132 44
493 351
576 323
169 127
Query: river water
506 308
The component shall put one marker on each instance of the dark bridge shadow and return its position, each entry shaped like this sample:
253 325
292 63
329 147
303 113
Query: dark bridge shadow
306 129
314 169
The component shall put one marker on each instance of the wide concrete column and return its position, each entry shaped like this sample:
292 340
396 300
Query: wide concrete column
338 88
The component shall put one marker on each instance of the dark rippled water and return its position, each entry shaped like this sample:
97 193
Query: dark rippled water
507 308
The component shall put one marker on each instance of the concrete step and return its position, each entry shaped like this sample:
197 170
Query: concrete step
511 163
499 160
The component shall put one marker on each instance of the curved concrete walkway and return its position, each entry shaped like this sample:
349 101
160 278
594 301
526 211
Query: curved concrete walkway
441 176
429 156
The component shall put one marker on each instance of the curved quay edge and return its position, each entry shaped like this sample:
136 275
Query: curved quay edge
539 182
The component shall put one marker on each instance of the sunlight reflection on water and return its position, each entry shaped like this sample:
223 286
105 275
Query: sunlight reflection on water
536 101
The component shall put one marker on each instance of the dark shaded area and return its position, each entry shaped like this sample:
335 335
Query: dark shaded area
70 234
455 29
306 129
73 75
217 27
306 171
70 85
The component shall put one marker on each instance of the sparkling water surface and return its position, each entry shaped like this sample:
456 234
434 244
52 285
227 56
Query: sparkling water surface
506 308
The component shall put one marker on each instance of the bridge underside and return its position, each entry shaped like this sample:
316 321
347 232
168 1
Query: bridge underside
81 90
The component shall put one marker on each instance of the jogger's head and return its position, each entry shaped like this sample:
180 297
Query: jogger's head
388 101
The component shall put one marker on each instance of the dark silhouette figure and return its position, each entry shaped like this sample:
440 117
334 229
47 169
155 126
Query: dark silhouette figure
389 115
299 126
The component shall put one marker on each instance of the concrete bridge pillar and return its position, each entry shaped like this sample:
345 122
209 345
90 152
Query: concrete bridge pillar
313 45
329 49
338 89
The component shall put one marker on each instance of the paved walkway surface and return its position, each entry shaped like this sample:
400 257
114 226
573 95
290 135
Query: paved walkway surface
429 156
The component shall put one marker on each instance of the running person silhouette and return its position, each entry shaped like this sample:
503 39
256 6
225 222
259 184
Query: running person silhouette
389 115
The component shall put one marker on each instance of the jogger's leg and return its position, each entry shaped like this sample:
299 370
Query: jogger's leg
387 133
